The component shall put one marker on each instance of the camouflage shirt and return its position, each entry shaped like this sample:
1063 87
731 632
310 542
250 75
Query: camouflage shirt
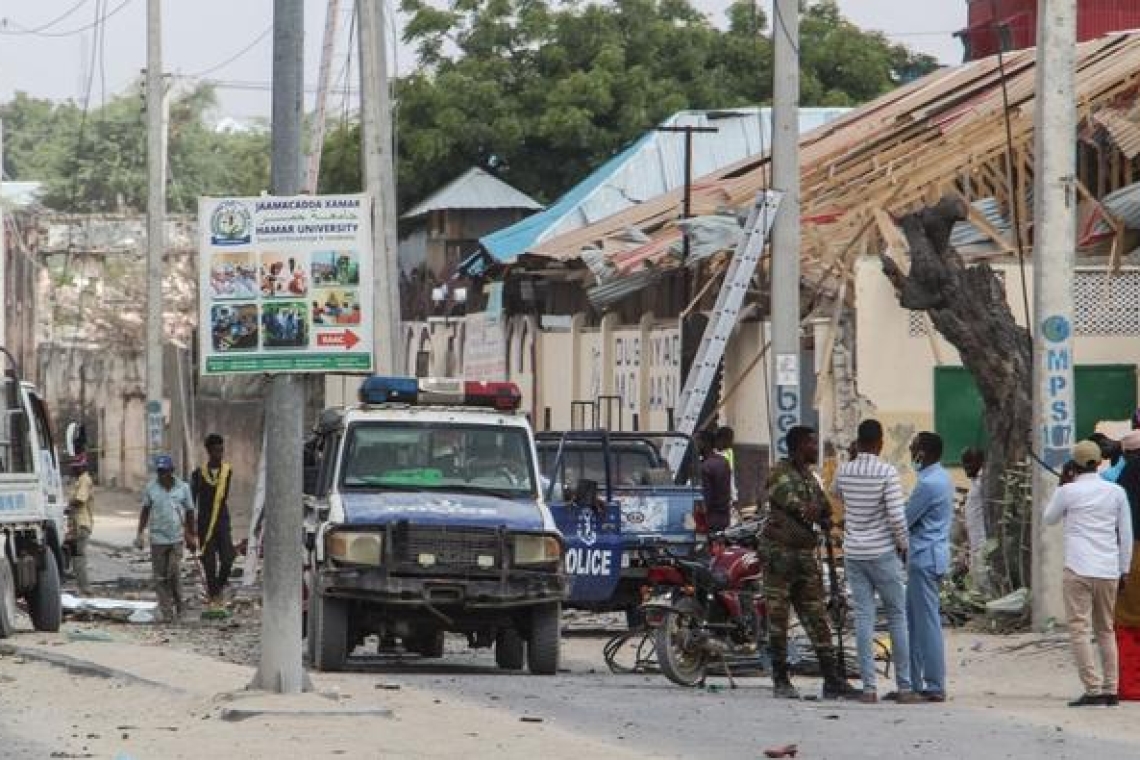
789 495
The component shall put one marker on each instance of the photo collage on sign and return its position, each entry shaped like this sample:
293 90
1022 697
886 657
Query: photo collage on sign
275 300
336 289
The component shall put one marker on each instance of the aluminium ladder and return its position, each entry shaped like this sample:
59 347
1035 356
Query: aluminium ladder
721 323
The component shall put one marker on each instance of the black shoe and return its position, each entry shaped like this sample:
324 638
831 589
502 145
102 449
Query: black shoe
1111 700
1088 700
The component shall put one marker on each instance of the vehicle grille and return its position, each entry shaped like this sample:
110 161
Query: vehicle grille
452 547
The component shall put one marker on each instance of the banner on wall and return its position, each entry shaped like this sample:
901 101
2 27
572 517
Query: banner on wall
285 284
484 348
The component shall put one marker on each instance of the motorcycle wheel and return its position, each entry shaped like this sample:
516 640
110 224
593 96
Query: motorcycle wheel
681 659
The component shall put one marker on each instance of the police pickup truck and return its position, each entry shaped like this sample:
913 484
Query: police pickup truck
424 515
613 496
32 521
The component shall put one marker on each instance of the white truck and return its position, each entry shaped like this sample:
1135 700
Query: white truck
424 514
32 509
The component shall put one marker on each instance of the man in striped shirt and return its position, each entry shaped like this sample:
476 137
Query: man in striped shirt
874 550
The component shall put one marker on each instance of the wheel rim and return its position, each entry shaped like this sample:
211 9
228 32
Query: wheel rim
686 654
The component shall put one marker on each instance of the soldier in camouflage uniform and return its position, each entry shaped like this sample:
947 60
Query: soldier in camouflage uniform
792 576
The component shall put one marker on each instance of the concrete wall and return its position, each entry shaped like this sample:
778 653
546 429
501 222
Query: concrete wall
895 361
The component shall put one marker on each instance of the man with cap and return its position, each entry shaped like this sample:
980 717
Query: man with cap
168 512
1098 552
210 485
80 507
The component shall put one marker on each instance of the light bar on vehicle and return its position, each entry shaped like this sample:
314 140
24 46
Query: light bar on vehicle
502 396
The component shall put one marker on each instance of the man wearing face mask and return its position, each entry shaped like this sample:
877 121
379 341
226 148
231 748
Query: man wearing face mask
929 514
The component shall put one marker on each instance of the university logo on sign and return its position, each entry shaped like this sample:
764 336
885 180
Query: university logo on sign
231 224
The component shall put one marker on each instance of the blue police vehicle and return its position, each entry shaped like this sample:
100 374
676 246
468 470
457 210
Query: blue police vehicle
424 515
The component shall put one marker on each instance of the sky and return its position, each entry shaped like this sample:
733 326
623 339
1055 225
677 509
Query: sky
229 41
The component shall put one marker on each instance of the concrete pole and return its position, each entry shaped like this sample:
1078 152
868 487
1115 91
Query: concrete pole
1054 214
317 133
280 669
155 228
377 155
3 254
785 402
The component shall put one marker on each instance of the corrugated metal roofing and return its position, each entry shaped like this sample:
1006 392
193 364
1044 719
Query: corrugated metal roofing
475 189
965 233
653 165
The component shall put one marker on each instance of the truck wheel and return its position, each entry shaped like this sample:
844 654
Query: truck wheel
45 606
7 599
545 639
509 649
330 648
309 618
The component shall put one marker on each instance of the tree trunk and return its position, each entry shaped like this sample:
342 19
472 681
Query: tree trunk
968 307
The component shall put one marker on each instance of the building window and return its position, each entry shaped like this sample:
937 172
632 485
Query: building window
1106 304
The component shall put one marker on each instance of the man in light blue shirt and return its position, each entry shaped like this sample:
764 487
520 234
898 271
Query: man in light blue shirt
168 511
929 514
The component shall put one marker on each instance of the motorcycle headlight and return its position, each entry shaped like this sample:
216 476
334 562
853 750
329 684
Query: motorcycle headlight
358 548
537 550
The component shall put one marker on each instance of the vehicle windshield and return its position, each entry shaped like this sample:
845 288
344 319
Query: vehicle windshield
423 456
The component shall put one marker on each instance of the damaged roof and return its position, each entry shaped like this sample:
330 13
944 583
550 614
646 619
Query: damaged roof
653 164
944 134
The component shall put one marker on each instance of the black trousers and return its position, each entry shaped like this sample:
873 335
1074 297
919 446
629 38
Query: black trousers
218 558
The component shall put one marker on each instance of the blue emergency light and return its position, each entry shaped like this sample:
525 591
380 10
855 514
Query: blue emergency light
504 397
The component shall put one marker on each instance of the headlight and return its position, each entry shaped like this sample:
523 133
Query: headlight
536 550
357 548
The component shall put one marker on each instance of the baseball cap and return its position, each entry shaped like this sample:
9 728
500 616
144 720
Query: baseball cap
163 463
1087 454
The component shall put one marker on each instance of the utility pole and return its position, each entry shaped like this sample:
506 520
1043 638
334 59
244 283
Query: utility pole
155 228
1054 215
317 135
280 668
379 165
785 287
3 253
687 207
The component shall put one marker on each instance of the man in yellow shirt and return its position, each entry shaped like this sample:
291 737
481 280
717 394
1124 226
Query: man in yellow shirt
82 506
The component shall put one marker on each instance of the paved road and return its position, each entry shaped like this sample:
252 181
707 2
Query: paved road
648 713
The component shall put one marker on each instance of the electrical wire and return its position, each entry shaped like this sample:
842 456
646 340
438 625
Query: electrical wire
72 32
216 67
22 30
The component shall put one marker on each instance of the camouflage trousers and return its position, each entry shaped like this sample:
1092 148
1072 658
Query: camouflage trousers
792 578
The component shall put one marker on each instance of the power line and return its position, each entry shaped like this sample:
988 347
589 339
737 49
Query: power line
256 40
21 29
99 20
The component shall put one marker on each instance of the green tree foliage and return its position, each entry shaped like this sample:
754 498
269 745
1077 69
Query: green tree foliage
96 162
544 91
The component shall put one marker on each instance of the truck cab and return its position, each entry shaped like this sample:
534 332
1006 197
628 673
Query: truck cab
614 496
32 509
424 515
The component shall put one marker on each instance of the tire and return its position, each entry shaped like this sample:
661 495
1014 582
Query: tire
330 624
7 599
680 660
428 644
45 607
310 619
542 651
510 649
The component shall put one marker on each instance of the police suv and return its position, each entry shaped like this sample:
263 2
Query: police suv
424 514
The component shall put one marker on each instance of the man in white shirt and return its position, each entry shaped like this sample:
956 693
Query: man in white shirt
1098 552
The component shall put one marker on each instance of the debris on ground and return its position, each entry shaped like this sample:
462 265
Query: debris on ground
121 610
787 750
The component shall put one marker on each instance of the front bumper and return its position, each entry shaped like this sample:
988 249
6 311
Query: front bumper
516 588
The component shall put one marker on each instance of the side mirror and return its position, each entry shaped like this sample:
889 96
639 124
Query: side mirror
309 480
585 492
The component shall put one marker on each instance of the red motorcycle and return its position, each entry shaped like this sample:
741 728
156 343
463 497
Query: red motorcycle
709 611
